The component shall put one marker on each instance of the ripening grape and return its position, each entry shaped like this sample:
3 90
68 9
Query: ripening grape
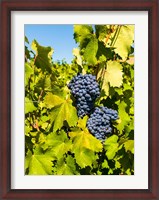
85 90
99 123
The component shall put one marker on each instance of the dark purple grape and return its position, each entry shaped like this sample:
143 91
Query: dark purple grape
85 90
99 123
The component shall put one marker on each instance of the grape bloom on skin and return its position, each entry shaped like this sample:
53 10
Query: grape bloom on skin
85 90
99 123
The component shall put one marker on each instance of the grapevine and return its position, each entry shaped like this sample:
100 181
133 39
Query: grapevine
79 117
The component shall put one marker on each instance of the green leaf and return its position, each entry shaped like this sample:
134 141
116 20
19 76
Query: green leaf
43 56
66 168
91 51
27 159
113 76
101 31
85 157
84 147
124 118
28 72
83 139
124 41
103 53
117 164
64 112
82 34
26 40
76 53
105 164
29 106
82 122
127 161
129 146
38 164
52 100
111 146
58 144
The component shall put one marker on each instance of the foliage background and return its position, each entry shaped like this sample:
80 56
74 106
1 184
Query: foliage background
57 142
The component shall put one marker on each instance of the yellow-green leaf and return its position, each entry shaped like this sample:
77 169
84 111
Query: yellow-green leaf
82 122
111 146
129 146
83 139
84 146
124 41
64 112
113 76
28 72
66 167
58 144
39 164
91 51
52 100
76 52
124 118
82 33
43 56
29 106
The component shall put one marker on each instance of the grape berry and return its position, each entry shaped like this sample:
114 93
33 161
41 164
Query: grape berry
85 90
99 123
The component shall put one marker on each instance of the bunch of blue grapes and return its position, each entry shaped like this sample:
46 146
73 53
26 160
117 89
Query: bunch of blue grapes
85 90
99 123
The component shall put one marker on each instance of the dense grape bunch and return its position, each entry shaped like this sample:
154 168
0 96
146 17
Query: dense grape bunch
85 90
99 123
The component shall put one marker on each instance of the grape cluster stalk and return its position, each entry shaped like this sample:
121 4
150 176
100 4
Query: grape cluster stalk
99 123
85 90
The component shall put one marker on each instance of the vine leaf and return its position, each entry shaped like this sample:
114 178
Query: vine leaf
111 146
101 31
124 118
43 56
91 51
124 41
57 144
38 164
82 34
129 146
76 53
29 106
105 164
63 111
52 100
84 147
66 167
82 122
26 40
113 76
28 72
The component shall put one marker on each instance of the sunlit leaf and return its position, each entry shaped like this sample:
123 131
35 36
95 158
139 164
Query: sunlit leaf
52 100
43 56
124 41
29 106
111 146
64 112
39 164
76 52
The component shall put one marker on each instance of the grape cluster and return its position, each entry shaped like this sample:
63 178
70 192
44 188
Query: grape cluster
99 123
85 90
